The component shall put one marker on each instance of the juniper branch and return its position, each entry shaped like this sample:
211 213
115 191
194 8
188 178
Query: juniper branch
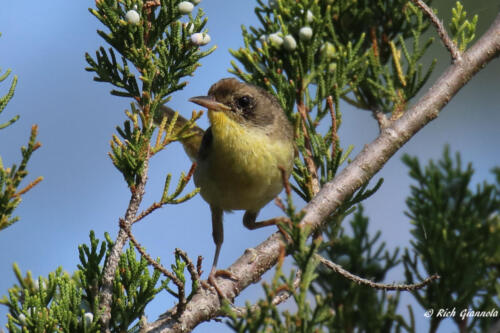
384 286
113 258
249 268
447 41
155 264
278 299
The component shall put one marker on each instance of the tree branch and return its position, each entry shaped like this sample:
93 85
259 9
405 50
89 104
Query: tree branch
113 258
278 299
445 38
156 265
385 286
249 268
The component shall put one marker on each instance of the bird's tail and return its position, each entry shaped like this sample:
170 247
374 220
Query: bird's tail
192 143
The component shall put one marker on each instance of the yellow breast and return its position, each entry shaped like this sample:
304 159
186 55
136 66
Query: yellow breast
241 171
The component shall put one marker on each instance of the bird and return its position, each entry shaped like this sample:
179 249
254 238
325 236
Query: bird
240 158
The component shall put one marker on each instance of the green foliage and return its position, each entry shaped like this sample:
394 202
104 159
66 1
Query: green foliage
358 308
89 270
47 305
353 306
178 268
162 54
130 154
4 100
11 177
265 316
302 77
67 303
134 287
342 57
454 228
10 180
158 46
395 73
339 305
311 55
462 30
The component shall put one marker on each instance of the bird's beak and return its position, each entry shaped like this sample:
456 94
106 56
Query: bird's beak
209 103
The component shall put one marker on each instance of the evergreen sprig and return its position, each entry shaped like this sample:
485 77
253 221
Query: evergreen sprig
303 54
365 62
303 70
11 177
395 72
157 53
462 30
10 180
358 307
47 305
67 303
454 227
133 289
4 100
265 316
158 46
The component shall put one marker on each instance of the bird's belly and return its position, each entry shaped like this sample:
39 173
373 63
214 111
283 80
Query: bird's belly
226 194
245 175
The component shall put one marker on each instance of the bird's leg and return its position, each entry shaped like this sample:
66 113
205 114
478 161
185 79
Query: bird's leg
250 217
217 232
249 222
218 235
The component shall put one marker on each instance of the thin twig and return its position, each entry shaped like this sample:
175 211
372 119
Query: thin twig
152 3
28 187
373 36
113 258
379 116
155 264
146 256
308 146
190 173
278 202
282 295
155 205
447 41
408 287
335 137
284 179
195 277
147 211
285 234
198 265
382 120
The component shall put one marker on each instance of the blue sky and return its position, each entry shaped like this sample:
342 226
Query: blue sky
44 44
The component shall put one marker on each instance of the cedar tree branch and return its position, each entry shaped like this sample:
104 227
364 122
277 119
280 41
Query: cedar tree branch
205 305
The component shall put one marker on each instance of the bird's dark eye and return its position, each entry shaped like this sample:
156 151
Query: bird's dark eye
243 102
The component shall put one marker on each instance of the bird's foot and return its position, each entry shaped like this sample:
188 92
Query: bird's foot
222 273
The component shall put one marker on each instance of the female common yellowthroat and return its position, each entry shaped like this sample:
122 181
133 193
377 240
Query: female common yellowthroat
240 155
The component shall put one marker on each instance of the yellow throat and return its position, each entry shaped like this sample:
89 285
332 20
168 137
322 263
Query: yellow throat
241 171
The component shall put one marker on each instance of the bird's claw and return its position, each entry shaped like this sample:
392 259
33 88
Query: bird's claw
222 273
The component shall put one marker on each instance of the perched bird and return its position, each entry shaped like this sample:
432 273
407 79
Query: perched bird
240 157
